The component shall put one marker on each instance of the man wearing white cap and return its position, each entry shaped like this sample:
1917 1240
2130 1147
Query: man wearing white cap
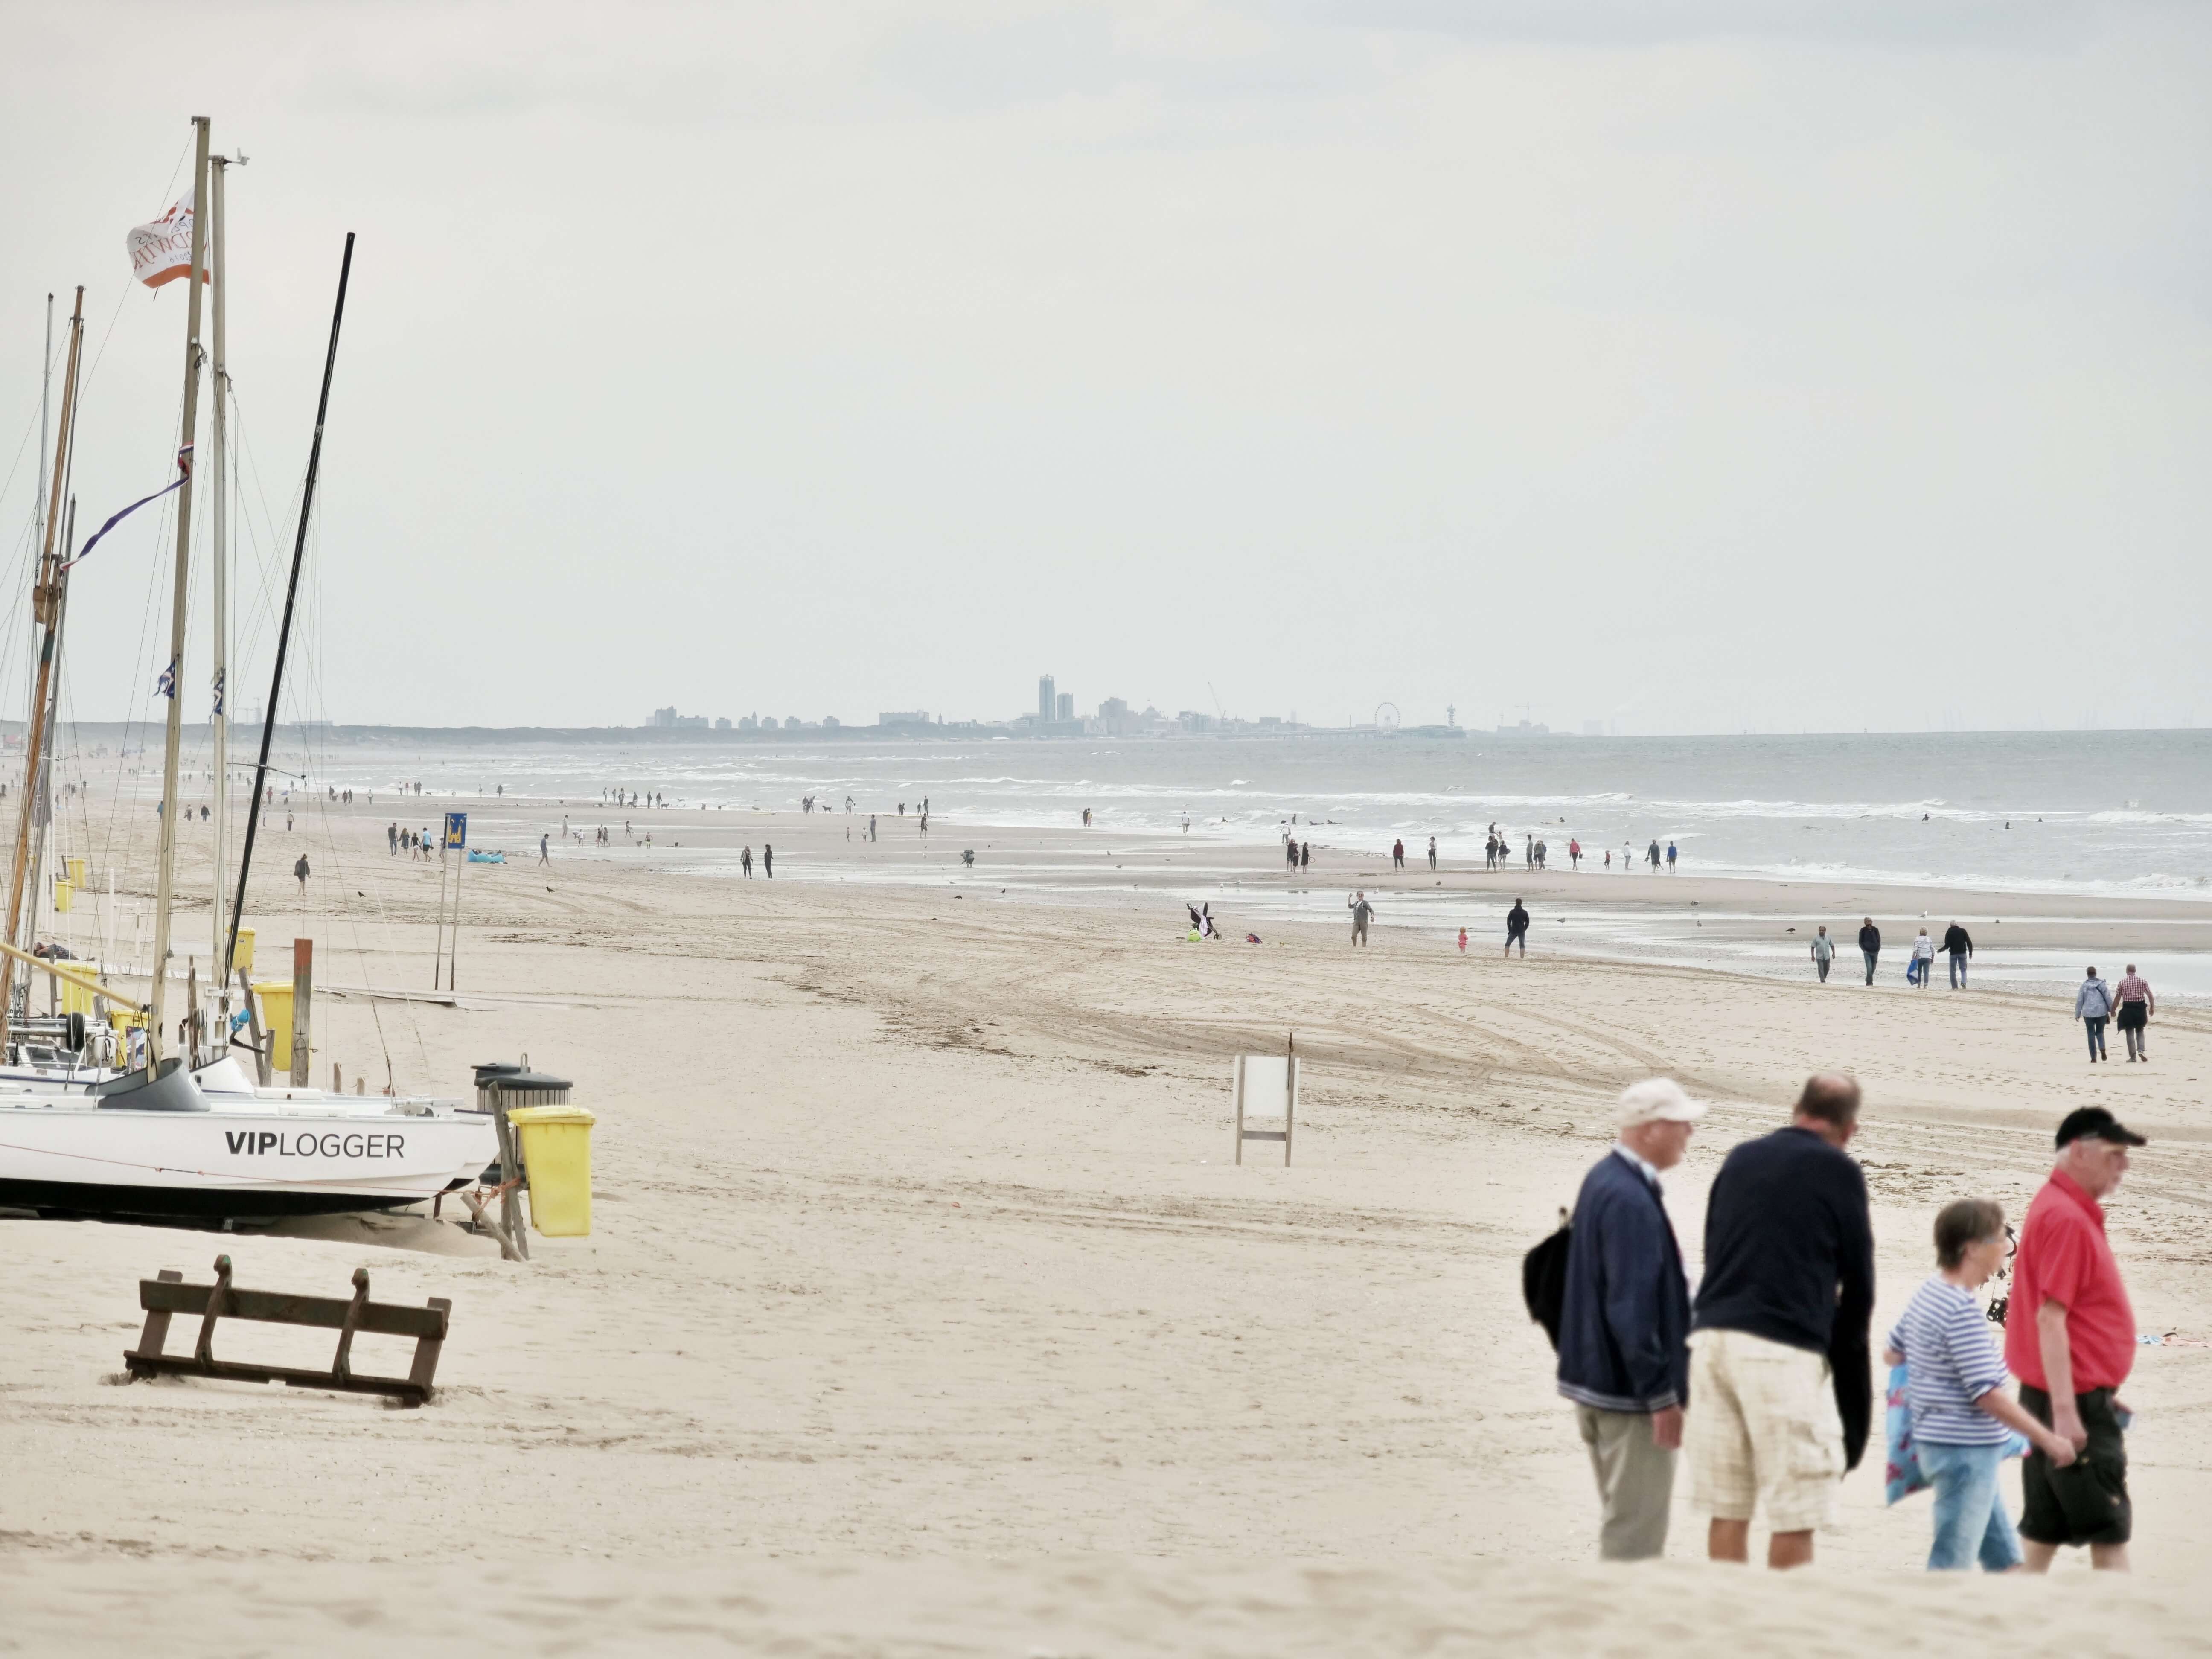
1624 1320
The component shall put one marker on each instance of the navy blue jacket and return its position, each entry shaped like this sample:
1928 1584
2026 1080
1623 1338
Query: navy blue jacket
1624 1328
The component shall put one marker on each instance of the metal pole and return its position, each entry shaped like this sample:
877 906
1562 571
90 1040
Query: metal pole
453 943
218 481
291 596
180 611
46 609
438 949
43 801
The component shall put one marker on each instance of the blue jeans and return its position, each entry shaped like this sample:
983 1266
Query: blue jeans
1971 1521
2096 1036
1958 969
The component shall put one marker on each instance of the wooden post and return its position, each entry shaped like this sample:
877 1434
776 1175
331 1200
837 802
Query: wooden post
511 1180
303 992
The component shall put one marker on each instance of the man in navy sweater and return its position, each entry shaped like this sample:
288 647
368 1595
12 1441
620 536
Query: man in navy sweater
1779 1357
1624 1321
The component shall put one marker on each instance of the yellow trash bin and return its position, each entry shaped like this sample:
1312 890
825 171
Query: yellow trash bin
243 956
277 1014
557 1152
77 875
62 892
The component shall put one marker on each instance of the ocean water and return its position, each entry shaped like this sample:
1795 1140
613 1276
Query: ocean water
2115 815
2125 814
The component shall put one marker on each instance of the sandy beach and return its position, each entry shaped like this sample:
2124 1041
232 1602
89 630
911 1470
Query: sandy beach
927 1312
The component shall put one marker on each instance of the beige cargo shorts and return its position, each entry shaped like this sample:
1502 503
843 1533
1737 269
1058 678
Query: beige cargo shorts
1761 1429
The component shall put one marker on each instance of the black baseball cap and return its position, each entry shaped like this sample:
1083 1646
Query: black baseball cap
2095 1123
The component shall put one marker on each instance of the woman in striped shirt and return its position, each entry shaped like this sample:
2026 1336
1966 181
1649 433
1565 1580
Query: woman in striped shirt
1962 1416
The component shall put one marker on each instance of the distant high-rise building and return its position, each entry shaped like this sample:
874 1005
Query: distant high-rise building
1047 704
663 716
1113 708
1064 707
722 723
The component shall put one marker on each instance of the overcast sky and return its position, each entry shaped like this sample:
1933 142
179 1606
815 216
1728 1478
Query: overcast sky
1687 364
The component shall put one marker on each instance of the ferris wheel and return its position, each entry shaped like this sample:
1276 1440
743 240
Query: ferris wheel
1386 716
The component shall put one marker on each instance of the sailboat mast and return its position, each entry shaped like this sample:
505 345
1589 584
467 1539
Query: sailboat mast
45 593
291 596
218 481
166 889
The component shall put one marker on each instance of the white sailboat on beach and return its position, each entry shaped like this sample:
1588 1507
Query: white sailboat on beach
192 1133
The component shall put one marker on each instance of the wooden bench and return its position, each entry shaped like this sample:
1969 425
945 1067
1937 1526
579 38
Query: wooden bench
167 1294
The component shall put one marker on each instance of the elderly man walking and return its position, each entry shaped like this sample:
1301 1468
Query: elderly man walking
2071 1339
1778 1365
1624 1321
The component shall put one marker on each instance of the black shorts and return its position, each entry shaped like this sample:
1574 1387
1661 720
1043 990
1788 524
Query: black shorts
2085 1502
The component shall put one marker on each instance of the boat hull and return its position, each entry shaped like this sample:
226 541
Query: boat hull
185 1203
68 1154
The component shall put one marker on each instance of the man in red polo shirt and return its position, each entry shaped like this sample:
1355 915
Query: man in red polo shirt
2070 1339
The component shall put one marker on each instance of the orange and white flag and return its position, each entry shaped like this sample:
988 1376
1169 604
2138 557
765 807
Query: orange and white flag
162 252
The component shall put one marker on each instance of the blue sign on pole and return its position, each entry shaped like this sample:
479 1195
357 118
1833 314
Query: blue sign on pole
456 830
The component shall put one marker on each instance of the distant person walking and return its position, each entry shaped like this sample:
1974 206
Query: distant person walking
1397 855
1432 852
746 863
1870 945
768 860
1924 960
1361 913
1624 1320
1574 854
2071 1339
1654 857
1462 941
1963 1420
543 856
1671 856
1958 946
392 837
1779 1370
1824 952
2136 1007
1517 929
1305 854
300 871
2093 1007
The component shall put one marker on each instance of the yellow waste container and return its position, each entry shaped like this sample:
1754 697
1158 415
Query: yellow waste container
62 892
557 1152
243 956
77 999
276 1015
77 875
